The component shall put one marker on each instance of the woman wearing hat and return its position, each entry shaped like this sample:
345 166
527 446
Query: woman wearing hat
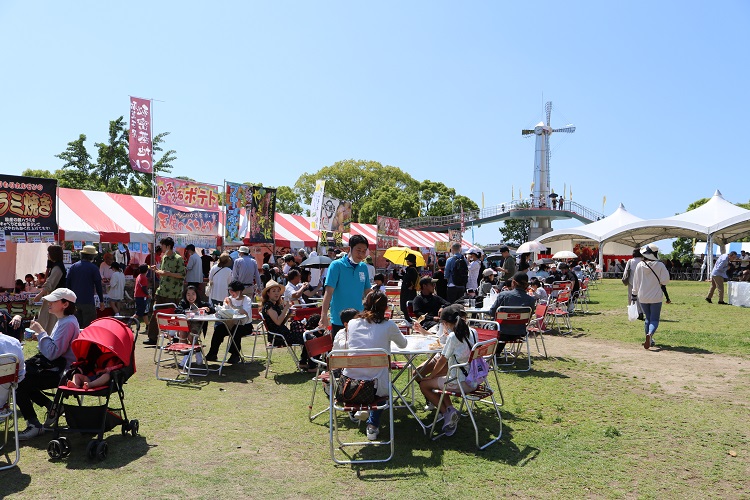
276 312
650 276
44 370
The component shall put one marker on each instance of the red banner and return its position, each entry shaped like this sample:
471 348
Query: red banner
141 149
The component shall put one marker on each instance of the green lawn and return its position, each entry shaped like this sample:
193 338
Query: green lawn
572 428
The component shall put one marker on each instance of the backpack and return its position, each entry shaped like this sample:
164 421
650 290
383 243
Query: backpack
460 272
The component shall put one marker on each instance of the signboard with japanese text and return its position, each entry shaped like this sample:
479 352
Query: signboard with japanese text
336 215
140 147
182 240
27 204
455 235
387 231
261 208
196 223
181 193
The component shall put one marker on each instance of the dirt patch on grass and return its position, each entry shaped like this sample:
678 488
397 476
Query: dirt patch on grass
699 375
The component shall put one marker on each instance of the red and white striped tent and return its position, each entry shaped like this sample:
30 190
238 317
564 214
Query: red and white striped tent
120 218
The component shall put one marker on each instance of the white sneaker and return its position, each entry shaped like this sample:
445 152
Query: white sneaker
372 432
450 423
31 432
429 407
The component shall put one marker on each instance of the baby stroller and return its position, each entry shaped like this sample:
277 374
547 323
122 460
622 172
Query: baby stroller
105 347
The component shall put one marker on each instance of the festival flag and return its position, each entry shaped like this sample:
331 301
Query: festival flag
604 202
140 146
316 205
463 226
512 192
482 200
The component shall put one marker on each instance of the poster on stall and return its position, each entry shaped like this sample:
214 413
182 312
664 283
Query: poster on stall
77 245
191 194
387 232
17 237
336 215
2 242
33 237
27 204
195 223
235 199
48 237
261 208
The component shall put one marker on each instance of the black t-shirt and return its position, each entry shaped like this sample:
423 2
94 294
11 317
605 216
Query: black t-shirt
409 278
429 305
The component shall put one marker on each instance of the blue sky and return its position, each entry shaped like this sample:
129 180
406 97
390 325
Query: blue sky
264 91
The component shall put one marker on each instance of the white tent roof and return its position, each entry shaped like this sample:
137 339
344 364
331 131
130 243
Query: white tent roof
696 223
594 231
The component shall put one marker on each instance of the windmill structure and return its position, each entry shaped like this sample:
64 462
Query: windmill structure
542 190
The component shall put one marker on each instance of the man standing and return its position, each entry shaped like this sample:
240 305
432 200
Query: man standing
508 269
719 275
409 278
347 284
193 267
456 273
85 281
428 304
171 276
245 270
627 277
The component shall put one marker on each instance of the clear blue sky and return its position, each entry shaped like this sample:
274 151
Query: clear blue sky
264 91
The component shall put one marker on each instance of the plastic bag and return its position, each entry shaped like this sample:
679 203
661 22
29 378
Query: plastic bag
633 312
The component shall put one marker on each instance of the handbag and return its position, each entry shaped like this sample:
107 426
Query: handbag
352 390
39 363
626 274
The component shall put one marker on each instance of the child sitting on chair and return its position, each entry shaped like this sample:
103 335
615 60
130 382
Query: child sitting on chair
191 304
101 372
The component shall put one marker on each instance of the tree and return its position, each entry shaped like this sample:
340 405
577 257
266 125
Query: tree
111 172
287 201
355 181
44 174
437 199
516 231
682 248
389 201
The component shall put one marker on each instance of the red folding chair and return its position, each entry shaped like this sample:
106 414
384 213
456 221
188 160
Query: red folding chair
558 310
172 326
319 346
509 316
538 326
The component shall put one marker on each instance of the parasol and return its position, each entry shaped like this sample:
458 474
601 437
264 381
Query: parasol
531 246
397 255
565 254
316 261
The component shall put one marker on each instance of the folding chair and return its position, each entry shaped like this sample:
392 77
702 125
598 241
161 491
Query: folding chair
271 345
358 358
259 330
9 368
487 330
168 308
538 326
582 297
483 392
171 325
508 316
559 310
319 346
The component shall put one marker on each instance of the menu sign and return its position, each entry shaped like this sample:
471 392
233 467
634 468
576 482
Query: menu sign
27 204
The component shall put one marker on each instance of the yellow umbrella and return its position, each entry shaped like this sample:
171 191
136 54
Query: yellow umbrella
397 255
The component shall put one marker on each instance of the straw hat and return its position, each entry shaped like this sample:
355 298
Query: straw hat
269 285
244 249
650 252
89 250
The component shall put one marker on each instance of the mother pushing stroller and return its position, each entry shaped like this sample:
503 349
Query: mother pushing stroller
44 370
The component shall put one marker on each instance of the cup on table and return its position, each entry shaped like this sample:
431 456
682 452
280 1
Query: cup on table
472 302
190 315
201 312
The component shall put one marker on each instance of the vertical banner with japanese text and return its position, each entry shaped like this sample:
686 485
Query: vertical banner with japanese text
335 220
140 145
28 208
261 208
388 228
235 198
316 205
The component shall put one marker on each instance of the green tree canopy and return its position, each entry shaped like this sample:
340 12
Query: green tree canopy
516 231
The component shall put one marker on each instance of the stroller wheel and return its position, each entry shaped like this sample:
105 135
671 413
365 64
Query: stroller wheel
54 449
134 426
125 428
91 449
65 446
101 450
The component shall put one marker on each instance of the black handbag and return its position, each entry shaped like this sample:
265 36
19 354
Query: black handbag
351 390
39 363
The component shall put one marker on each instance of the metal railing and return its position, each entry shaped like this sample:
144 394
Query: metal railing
477 216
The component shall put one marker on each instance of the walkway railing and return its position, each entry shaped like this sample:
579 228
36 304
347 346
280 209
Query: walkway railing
478 216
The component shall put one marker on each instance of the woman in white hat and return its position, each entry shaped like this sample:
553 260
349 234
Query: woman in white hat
651 276
44 370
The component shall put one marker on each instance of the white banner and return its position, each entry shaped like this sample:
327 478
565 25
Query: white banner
316 205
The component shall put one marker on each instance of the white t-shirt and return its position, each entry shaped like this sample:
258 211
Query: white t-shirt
456 351
473 282
365 335
116 286
289 290
245 303
219 277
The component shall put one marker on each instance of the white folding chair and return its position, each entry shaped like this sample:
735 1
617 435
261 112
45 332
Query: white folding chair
9 368
358 358
170 326
483 392
272 339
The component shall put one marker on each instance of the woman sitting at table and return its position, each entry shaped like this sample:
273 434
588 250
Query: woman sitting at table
370 330
456 350
276 312
243 305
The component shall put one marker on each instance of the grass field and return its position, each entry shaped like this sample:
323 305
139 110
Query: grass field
572 427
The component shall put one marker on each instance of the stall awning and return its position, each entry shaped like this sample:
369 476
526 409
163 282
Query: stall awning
294 231
412 238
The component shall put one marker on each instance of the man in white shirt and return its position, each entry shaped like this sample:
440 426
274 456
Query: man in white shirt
294 289
370 268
